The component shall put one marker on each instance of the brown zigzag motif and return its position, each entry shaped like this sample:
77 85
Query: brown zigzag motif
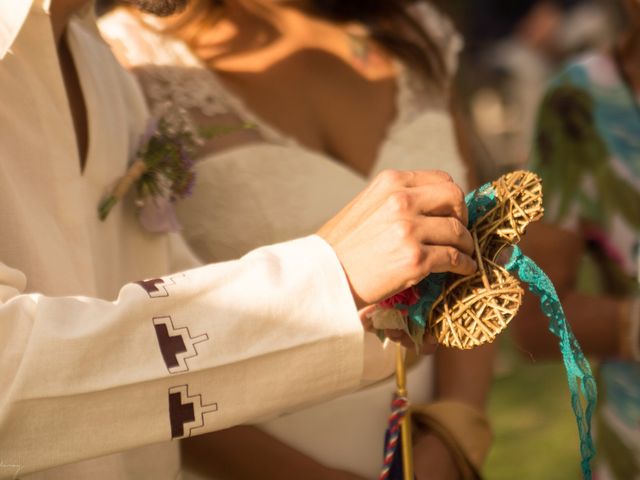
186 412
176 344
156 287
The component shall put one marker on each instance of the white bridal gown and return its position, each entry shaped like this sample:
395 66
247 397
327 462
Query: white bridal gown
261 186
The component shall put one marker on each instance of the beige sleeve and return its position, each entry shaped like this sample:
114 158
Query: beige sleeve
173 357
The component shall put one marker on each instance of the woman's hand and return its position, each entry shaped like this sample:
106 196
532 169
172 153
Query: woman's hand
432 459
403 227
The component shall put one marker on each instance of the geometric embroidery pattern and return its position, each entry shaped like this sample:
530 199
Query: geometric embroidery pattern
186 412
176 344
155 287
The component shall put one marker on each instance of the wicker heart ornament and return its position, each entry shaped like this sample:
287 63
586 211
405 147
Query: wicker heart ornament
473 310
465 312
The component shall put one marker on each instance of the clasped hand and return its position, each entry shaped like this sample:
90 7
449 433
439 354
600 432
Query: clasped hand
404 226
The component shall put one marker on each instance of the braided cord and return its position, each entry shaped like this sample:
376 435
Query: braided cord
399 409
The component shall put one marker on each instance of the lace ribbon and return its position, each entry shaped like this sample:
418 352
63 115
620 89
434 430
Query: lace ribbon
581 382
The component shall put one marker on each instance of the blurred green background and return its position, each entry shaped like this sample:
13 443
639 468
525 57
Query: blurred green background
535 431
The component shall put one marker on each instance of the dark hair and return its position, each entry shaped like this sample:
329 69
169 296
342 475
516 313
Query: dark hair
103 6
389 21
496 19
392 25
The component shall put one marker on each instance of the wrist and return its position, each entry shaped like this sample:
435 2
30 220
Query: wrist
629 329
358 301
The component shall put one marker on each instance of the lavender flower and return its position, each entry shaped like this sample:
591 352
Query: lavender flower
162 172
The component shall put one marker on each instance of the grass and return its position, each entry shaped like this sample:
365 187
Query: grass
535 431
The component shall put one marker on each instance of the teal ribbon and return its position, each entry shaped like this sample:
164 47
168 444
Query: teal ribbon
581 382
478 202
582 385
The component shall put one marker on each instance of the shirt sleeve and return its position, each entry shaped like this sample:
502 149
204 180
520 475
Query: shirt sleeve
176 356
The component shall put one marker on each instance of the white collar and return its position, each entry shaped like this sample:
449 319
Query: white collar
13 14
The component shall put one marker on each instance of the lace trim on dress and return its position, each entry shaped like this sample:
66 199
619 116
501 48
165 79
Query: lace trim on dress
177 83
414 96
442 31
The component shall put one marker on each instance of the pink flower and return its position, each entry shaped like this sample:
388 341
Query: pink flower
407 298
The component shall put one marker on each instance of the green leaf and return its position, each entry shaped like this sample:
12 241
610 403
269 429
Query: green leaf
105 206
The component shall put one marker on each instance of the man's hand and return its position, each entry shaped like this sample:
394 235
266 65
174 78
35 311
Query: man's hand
401 228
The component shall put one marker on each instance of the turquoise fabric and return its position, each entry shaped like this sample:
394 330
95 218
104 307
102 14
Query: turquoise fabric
581 382
478 202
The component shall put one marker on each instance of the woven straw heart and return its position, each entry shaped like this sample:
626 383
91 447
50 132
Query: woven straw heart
473 310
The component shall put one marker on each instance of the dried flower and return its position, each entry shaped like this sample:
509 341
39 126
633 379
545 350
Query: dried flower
162 172
406 298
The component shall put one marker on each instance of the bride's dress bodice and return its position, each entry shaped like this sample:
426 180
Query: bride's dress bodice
262 193
260 186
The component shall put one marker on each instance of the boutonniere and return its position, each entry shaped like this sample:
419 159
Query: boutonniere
161 172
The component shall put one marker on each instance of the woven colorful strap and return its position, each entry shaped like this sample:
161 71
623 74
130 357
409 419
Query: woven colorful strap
399 409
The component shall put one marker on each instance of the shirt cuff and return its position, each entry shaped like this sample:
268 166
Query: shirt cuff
378 358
